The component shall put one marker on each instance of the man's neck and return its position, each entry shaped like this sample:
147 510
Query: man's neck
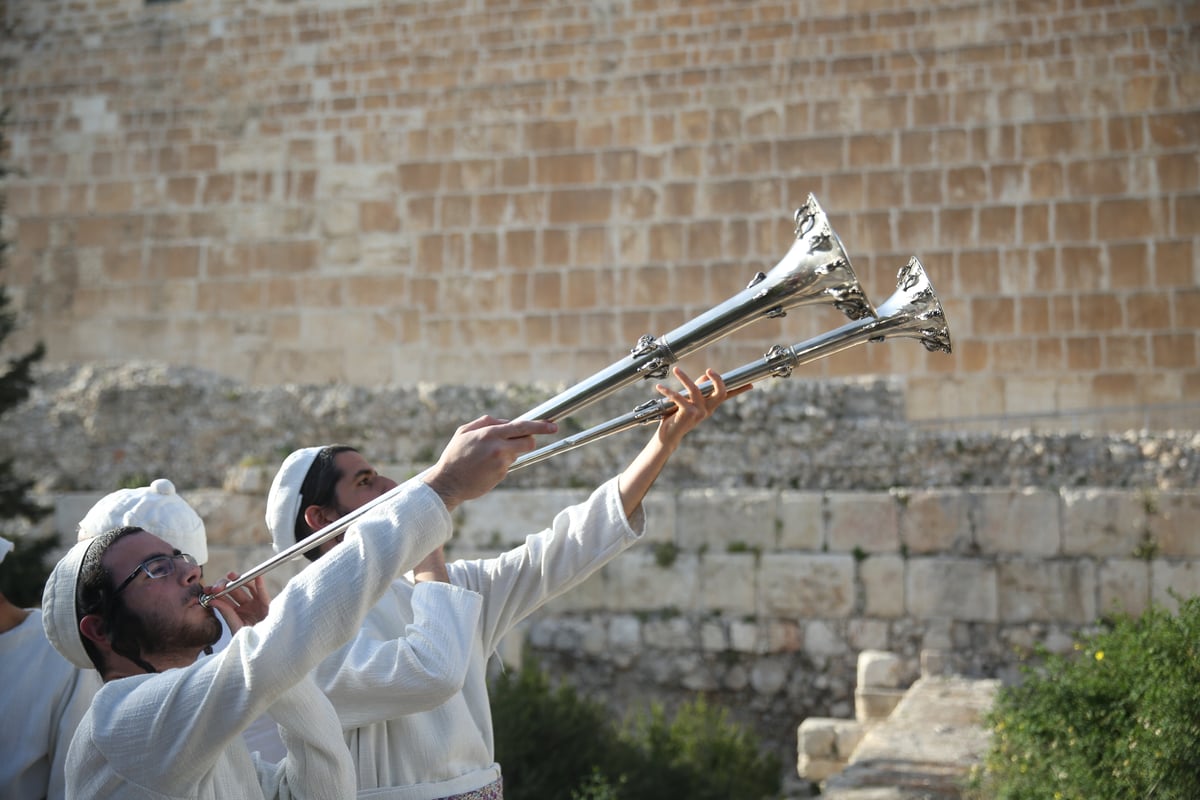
10 616
120 667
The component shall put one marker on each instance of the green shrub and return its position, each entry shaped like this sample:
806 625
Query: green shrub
547 740
1118 718
551 743
700 754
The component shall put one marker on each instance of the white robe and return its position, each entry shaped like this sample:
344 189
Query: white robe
42 700
177 734
415 738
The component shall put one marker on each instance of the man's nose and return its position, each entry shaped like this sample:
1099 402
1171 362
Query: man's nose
387 483
191 573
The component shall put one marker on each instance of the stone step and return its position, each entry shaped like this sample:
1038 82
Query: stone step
925 748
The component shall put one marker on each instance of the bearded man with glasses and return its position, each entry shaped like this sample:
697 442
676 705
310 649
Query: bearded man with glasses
168 723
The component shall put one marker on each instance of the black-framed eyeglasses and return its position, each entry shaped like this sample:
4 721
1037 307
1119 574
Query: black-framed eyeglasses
155 568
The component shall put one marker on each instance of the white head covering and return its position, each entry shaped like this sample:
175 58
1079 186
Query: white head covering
157 509
58 607
5 547
283 501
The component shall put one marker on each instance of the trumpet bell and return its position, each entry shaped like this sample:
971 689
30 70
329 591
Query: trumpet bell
915 311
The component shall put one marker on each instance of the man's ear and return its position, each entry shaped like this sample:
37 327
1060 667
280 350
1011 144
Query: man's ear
93 628
317 517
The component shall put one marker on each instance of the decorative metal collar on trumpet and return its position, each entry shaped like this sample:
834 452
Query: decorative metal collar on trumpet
815 270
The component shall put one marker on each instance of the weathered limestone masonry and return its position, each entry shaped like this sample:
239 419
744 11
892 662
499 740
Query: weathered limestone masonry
777 552
459 191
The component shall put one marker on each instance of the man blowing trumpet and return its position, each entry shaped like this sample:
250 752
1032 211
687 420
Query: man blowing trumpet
167 723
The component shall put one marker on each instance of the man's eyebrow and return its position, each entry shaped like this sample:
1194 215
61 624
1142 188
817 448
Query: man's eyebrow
363 473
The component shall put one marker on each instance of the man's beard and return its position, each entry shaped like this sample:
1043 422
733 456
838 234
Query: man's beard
149 634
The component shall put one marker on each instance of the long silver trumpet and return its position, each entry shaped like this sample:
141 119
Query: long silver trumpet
912 311
815 270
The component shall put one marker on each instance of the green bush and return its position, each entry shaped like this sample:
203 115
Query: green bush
552 743
548 740
700 754
1118 718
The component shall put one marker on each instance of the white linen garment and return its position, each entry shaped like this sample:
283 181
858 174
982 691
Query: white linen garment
42 700
416 738
177 734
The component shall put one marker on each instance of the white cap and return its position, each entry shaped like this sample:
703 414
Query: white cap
283 501
155 508
5 547
58 607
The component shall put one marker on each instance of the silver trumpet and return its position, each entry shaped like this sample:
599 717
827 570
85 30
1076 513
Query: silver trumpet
815 270
912 311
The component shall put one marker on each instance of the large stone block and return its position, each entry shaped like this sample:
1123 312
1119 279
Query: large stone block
1171 580
1046 591
1173 524
807 585
728 582
1124 585
951 588
879 669
1102 522
862 521
1020 522
639 583
801 521
882 580
719 519
934 521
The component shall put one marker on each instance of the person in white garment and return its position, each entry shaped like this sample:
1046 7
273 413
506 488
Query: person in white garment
159 509
43 698
167 723
411 737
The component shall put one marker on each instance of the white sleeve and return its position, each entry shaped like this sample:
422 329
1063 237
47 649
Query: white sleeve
372 680
581 540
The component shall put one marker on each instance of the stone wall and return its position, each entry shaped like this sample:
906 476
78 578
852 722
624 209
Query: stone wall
461 191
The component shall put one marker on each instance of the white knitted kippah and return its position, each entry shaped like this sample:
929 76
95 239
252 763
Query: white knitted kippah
283 501
5 547
158 509
58 607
